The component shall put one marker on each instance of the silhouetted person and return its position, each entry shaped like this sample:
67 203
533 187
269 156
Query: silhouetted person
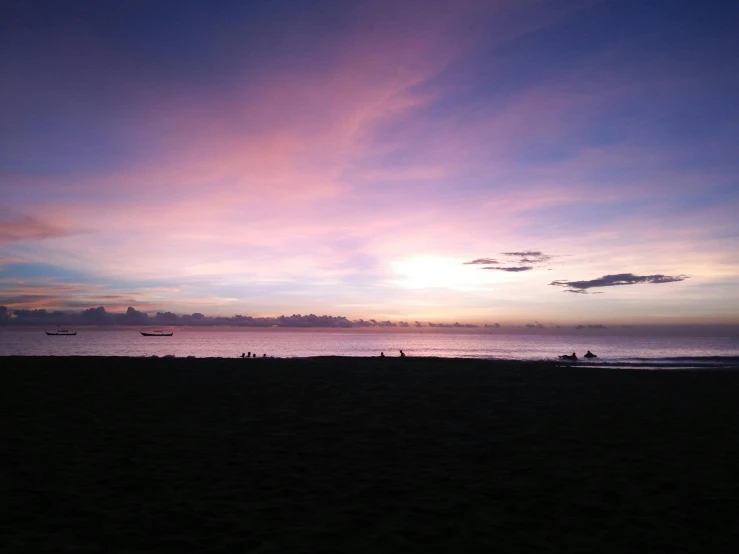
254 355
382 354
248 355
567 357
264 355
402 354
243 355
590 355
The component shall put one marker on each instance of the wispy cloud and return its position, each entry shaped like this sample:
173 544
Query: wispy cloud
528 253
25 228
529 257
60 294
526 259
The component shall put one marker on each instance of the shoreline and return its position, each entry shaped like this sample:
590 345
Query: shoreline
711 363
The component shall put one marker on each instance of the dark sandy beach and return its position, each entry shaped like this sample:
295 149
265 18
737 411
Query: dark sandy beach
364 455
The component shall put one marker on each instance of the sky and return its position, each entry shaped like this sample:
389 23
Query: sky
515 161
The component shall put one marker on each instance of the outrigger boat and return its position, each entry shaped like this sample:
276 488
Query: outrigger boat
156 334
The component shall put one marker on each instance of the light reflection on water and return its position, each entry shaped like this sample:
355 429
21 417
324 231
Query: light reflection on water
203 342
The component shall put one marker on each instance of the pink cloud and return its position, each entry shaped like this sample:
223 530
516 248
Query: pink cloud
25 228
52 294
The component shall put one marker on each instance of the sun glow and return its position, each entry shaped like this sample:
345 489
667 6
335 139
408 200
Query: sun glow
426 272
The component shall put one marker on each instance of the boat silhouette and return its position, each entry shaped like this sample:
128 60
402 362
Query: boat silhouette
156 334
61 332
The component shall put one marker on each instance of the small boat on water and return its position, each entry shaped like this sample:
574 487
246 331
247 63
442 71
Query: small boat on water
61 332
157 334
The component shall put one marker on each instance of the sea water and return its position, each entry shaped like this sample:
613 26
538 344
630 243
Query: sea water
612 351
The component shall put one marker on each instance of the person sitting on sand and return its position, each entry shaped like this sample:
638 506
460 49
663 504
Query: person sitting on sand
264 355
590 355
568 357
382 354
243 355
402 354
254 355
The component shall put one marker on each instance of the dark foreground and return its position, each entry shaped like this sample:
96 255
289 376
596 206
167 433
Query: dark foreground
364 455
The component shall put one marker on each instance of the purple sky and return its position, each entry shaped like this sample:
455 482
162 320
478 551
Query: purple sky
352 158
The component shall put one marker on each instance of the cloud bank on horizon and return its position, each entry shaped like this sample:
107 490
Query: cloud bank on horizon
368 158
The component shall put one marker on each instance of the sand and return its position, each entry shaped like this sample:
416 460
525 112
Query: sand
364 455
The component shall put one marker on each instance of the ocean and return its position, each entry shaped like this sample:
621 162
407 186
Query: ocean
612 351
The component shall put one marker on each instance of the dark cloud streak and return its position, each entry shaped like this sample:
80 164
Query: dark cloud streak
529 256
616 280
511 269
528 253
526 260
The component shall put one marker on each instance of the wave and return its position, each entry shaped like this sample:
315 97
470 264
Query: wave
706 359
671 362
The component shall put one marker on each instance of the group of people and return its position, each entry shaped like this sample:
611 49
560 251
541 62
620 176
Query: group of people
574 357
402 354
250 355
